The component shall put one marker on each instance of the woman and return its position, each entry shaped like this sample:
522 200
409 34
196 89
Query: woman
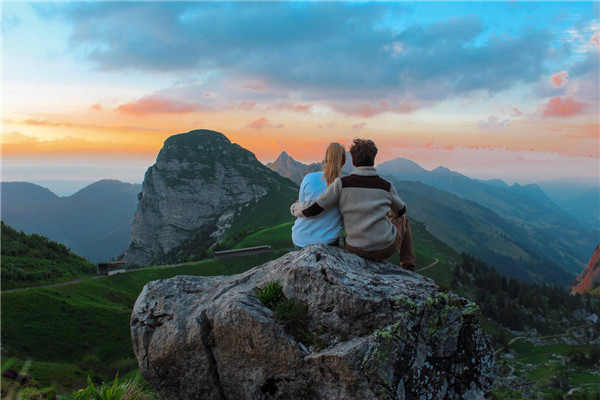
326 227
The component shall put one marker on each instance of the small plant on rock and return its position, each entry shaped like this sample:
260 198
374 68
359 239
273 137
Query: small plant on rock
292 314
270 294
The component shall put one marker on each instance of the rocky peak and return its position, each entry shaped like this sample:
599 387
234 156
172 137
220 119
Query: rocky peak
294 170
589 276
190 197
371 331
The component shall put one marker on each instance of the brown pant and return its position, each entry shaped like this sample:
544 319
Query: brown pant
402 244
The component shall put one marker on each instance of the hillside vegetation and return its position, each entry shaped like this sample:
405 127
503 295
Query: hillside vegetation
32 260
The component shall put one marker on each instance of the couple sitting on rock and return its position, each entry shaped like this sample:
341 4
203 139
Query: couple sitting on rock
367 206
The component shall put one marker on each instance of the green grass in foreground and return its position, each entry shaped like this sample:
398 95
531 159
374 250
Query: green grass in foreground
84 327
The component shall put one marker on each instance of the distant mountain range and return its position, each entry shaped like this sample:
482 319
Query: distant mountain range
95 222
579 197
553 234
519 229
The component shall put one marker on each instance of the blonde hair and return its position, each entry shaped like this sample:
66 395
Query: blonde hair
335 157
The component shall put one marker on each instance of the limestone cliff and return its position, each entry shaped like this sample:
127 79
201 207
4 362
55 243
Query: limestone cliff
200 184
383 333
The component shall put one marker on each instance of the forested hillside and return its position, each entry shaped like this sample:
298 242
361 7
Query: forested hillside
33 260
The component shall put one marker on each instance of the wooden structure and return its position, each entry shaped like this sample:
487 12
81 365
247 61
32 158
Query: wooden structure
111 267
247 251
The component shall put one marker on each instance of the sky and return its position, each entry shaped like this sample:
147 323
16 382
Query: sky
509 90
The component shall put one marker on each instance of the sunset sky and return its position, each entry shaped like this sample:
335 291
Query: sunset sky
509 90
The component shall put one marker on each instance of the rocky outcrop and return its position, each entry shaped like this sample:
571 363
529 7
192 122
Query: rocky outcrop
286 166
374 331
590 276
190 197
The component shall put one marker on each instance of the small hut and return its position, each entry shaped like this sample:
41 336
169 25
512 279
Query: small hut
111 267
247 251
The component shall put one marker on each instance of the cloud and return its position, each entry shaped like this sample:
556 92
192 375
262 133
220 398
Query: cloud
257 87
358 127
562 107
595 40
492 124
559 79
18 138
153 104
516 112
262 123
323 51
366 110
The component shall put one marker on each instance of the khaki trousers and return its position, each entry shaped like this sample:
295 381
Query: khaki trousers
402 244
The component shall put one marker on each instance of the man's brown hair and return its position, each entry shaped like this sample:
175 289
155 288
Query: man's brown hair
363 152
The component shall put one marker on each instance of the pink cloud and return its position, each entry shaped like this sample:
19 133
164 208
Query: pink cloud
562 107
257 87
595 40
358 127
559 79
97 107
263 123
157 105
366 110
297 107
516 112
247 105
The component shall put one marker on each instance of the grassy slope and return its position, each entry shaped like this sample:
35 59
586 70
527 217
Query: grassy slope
85 326
33 260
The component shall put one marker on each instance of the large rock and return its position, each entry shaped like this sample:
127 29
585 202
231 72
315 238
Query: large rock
191 196
386 333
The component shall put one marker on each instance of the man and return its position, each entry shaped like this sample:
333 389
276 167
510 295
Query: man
374 215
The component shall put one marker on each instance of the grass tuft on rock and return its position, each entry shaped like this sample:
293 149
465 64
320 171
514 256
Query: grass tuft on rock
291 313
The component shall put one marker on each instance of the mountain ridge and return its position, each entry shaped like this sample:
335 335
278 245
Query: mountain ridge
569 241
94 222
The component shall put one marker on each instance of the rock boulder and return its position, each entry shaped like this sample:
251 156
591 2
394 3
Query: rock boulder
376 332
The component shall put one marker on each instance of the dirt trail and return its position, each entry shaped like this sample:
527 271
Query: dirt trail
429 266
52 284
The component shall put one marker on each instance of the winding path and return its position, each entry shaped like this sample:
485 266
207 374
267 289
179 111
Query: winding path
429 266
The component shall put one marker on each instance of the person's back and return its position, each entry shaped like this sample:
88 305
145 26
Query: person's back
365 201
373 213
325 228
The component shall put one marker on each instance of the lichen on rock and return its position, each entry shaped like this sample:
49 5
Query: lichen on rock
385 333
